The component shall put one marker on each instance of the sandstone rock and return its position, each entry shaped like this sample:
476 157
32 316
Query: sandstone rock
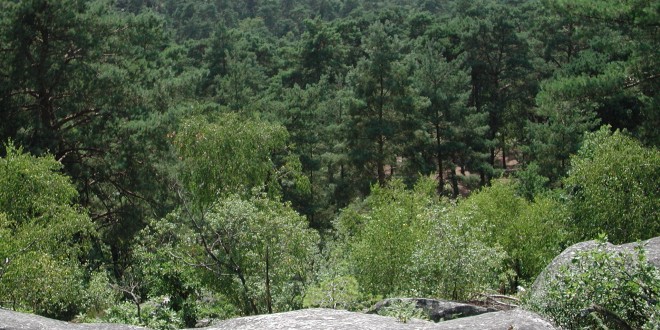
517 319
307 319
319 318
651 246
10 320
436 310
343 320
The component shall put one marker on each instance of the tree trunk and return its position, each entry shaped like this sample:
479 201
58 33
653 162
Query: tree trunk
454 184
381 137
269 300
246 293
381 161
438 155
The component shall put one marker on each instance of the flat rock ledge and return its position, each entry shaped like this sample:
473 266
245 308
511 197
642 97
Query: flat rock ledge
307 319
331 319
10 320
436 310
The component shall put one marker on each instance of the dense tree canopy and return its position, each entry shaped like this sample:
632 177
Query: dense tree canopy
243 157
43 236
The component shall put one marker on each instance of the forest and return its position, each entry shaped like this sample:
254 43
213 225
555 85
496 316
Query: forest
168 161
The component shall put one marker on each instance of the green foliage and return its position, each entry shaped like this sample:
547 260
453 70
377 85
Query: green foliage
256 252
100 295
601 289
403 311
530 182
450 129
157 315
499 59
340 292
531 233
383 248
612 186
401 243
226 154
265 245
456 264
43 234
191 106
381 84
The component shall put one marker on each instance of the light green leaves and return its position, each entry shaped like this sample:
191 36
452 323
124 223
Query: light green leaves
225 154
42 236
613 188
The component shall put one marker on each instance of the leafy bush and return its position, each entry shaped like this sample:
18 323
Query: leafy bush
613 188
99 296
340 292
403 311
401 242
155 314
43 235
603 289
455 264
256 253
530 232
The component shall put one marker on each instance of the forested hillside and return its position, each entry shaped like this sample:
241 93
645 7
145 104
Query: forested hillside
166 161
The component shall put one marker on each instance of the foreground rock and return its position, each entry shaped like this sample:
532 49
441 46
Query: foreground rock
10 320
343 320
435 310
651 246
306 319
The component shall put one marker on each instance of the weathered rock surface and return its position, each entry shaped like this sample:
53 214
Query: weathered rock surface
319 318
651 246
306 319
343 320
10 320
436 310
517 319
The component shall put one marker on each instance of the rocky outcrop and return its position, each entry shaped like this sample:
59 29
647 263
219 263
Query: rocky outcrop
10 320
307 319
435 310
343 320
517 319
319 318
651 246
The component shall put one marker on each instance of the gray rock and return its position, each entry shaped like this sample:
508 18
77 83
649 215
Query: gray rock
436 310
306 319
203 323
10 320
516 319
319 318
651 246
331 319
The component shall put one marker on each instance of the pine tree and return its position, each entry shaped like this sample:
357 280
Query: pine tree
380 83
452 128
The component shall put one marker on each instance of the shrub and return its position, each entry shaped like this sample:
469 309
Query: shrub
530 232
403 311
402 242
341 292
613 188
603 289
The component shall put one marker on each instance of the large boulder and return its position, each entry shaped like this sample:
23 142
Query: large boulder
10 320
517 319
435 310
343 320
651 246
319 318
307 319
